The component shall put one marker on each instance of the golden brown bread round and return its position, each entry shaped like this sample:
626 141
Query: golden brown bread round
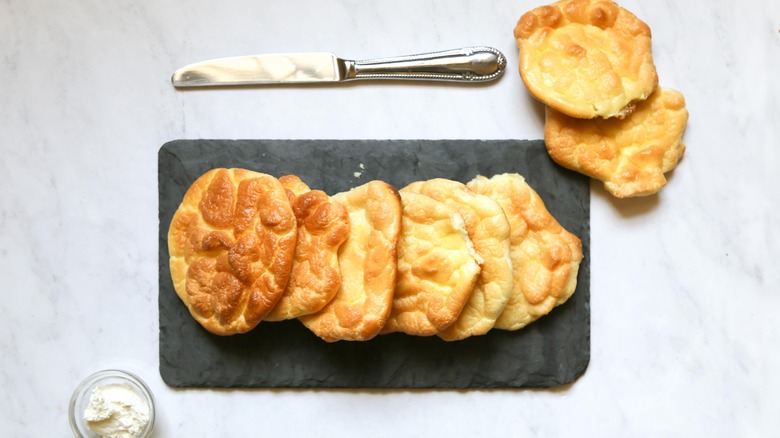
630 155
368 264
231 245
488 230
545 257
294 185
323 225
437 267
586 58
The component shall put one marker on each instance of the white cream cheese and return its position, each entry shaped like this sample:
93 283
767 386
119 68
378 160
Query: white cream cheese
116 411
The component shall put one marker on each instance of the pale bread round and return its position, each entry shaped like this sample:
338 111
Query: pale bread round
586 58
368 264
231 245
630 155
488 230
545 257
437 267
323 225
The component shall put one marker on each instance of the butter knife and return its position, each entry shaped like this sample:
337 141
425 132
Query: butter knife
468 65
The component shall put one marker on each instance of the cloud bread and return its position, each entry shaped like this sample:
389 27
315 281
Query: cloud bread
586 58
437 267
630 155
231 245
488 230
368 264
323 225
545 257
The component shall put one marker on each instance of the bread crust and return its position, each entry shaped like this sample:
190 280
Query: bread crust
545 257
368 263
630 155
586 58
323 226
488 230
231 244
437 267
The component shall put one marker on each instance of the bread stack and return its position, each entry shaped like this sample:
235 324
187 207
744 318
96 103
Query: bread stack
590 62
435 258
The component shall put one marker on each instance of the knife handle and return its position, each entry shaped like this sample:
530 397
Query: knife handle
468 64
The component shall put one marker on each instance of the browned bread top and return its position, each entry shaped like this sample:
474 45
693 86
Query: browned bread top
586 58
231 245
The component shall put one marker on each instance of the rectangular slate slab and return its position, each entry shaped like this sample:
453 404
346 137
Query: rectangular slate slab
552 351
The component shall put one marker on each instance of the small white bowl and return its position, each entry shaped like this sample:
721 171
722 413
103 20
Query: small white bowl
80 400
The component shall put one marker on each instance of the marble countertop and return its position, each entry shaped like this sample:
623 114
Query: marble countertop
684 284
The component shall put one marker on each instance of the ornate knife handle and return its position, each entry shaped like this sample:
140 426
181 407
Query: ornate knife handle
469 64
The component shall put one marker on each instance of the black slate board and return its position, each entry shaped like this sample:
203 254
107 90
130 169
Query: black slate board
552 351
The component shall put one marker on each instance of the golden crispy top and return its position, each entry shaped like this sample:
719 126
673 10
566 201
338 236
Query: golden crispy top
437 267
545 257
586 58
630 155
368 264
323 225
488 230
231 244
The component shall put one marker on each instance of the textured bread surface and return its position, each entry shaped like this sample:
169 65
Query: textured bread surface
231 245
437 267
586 58
545 257
488 230
294 186
368 263
323 225
630 155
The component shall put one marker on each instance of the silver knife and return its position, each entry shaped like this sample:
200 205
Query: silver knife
469 64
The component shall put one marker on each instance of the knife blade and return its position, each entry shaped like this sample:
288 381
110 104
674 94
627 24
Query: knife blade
468 64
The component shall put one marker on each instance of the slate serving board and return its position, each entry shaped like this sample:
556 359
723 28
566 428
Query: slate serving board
552 351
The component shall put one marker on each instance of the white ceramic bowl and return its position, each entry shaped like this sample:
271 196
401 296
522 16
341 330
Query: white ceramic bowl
80 400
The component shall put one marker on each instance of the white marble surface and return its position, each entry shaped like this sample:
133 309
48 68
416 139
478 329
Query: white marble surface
684 285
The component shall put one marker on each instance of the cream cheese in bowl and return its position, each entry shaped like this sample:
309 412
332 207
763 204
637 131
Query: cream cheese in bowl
112 404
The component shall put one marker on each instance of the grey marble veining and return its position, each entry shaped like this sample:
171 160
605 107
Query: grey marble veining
684 284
